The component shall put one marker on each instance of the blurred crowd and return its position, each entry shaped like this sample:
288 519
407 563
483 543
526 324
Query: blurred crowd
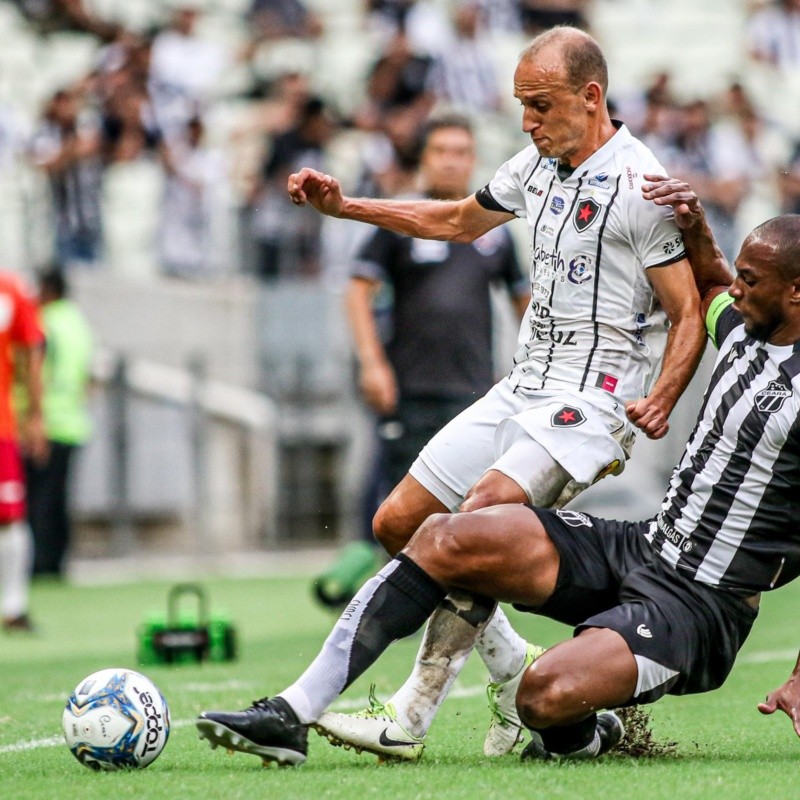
151 94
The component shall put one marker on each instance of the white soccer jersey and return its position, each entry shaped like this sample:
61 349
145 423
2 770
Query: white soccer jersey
593 321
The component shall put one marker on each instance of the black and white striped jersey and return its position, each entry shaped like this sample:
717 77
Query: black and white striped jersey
731 516
594 322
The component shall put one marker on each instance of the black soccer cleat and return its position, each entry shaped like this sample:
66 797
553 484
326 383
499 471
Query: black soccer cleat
269 729
534 750
609 732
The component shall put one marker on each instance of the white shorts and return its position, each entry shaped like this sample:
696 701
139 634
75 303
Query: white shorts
587 433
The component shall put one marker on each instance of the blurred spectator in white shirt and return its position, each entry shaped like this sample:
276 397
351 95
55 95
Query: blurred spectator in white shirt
774 34
423 22
195 200
184 69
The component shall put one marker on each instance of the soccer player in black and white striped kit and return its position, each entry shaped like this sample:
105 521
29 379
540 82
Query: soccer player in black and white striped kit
661 606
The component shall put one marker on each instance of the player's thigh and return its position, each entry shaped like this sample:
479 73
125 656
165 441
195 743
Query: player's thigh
525 472
456 457
416 422
588 437
503 552
595 557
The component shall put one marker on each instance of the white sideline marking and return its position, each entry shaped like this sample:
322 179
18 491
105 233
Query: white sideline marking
341 705
55 741
765 656
32 744
213 687
352 704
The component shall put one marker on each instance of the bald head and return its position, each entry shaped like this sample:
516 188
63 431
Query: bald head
575 51
782 236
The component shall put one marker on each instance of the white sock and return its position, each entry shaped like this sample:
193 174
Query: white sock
501 648
16 561
448 640
326 677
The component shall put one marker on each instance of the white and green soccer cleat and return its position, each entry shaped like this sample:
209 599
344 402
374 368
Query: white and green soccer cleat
505 729
373 730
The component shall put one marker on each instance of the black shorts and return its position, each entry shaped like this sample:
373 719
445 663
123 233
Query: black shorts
683 634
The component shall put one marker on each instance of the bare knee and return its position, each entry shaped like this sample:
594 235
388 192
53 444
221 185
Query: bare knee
493 489
445 549
547 697
390 527
403 511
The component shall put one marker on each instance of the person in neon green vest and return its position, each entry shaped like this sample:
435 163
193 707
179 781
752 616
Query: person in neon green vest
65 377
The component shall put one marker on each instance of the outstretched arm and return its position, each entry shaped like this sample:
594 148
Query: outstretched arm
711 271
453 220
786 698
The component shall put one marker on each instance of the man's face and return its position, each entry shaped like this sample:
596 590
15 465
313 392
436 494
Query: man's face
554 114
447 162
185 19
761 295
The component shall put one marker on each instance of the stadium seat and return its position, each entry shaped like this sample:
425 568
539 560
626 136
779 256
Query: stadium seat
66 57
131 201
642 38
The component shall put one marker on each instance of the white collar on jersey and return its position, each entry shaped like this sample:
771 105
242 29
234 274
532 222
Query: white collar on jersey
601 156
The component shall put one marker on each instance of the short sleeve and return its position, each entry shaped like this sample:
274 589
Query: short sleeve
515 279
375 256
506 192
721 318
655 237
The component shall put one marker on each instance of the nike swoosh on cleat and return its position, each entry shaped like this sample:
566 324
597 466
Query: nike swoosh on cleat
387 742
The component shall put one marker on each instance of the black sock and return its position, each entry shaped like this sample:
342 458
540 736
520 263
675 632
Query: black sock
398 608
392 604
565 739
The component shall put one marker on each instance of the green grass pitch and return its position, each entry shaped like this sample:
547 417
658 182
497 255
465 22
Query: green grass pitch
725 748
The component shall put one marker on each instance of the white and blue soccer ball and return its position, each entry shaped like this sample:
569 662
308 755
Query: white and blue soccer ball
116 718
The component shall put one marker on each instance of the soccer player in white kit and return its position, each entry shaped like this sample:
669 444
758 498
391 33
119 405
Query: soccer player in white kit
608 273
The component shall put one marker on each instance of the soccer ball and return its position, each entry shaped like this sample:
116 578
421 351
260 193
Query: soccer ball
116 718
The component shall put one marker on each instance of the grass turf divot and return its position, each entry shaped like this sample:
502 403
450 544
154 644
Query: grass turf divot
639 741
